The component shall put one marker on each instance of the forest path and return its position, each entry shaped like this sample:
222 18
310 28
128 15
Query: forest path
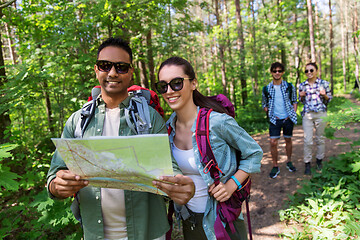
268 195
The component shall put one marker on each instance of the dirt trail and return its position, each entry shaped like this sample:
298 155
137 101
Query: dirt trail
268 195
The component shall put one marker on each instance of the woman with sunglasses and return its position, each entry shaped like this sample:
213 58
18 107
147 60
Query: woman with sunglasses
177 84
315 94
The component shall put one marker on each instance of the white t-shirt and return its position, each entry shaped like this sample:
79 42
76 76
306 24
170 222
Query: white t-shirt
186 162
112 200
279 105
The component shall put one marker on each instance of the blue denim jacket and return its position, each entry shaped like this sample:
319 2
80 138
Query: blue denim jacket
225 136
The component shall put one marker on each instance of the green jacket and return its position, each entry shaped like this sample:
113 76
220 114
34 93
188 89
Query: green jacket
145 212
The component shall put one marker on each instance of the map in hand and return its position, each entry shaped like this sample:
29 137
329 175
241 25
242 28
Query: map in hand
130 162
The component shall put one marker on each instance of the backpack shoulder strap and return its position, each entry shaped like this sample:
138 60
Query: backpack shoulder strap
266 91
202 140
138 111
87 112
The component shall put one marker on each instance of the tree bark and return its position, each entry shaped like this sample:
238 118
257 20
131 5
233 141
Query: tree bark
241 48
297 55
221 49
331 49
4 116
256 86
150 59
356 44
311 31
318 45
343 43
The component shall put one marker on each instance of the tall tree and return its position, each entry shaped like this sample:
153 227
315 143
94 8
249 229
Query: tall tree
240 43
343 39
4 115
311 31
331 48
356 42
253 30
221 48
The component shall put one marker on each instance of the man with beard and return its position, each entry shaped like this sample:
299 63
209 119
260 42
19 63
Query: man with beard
280 103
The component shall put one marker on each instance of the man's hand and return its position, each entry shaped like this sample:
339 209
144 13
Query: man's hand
180 188
66 184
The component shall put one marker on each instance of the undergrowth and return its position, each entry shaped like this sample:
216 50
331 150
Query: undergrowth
327 205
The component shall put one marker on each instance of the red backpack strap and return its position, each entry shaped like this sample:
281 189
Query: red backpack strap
203 143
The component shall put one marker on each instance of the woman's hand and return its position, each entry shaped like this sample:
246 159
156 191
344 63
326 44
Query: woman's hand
222 192
180 188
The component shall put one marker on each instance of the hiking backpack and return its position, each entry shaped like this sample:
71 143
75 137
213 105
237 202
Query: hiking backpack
138 110
229 210
288 90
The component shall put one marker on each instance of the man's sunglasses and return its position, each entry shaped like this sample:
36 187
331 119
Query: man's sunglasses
106 66
311 70
176 84
277 71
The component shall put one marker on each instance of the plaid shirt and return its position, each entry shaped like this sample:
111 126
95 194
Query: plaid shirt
269 101
313 101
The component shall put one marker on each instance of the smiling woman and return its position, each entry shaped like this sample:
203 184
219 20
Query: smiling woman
177 84
315 94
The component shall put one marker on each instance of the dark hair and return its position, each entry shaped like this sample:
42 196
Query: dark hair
199 99
312 64
277 65
116 42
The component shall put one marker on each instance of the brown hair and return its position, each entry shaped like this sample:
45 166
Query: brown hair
312 64
199 99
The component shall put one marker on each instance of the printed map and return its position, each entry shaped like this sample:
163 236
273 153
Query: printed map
130 163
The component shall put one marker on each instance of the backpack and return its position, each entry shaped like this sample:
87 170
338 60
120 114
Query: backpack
229 210
288 90
138 110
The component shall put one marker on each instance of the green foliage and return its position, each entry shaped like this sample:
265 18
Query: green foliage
341 112
7 178
327 205
252 117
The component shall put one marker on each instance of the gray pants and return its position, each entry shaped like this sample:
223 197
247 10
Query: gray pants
193 231
311 121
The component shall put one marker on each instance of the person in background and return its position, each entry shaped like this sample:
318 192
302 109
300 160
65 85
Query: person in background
279 101
115 213
315 94
177 84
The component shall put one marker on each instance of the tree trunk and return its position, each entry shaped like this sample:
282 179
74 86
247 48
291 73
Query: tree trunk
331 49
143 75
221 49
256 87
343 43
356 44
232 80
4 116
297 56
150 58
311 31
318 45
11 44
241 49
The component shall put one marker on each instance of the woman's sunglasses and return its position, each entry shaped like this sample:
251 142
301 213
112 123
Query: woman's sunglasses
120 67
176 84
311 70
